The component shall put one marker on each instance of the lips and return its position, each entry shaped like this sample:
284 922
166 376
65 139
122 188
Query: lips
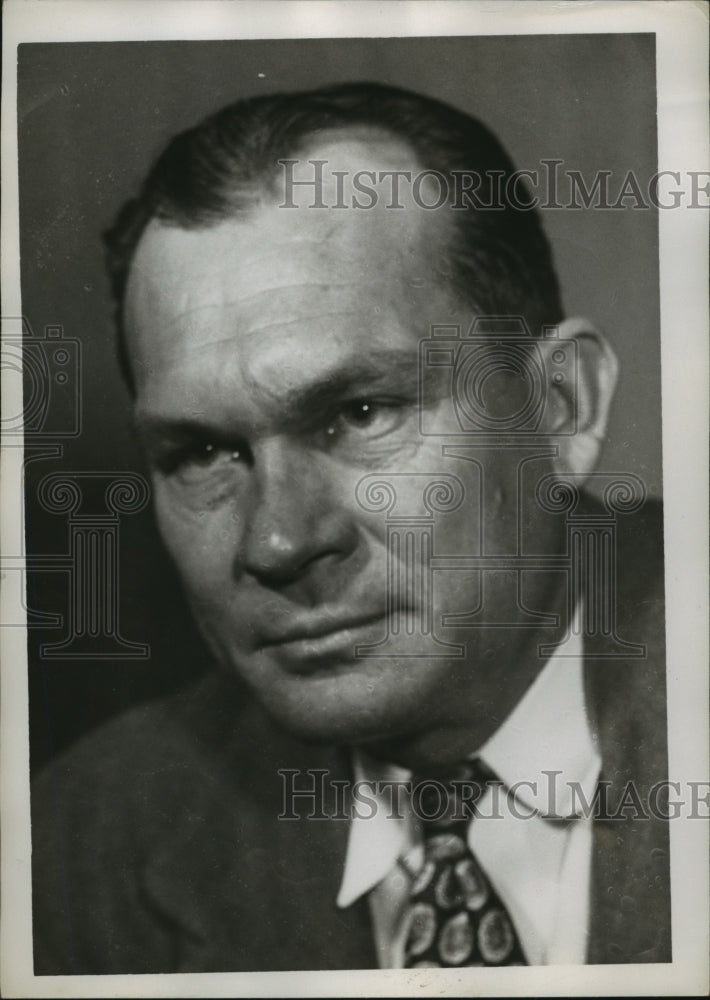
311 644
315 627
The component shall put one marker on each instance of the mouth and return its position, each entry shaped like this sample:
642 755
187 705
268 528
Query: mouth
305 648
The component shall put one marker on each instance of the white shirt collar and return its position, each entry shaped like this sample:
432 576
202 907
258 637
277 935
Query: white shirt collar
375 842
546 739
548 731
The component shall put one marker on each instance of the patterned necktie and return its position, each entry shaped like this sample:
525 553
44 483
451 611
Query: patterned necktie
455 918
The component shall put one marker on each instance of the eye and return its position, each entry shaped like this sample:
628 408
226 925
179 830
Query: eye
195 461
207 453
367 419
360 413
200 454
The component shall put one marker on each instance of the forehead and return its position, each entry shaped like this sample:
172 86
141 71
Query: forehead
272 249
277 276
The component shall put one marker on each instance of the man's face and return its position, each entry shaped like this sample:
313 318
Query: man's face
276 363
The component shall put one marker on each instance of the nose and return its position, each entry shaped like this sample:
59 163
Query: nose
294 527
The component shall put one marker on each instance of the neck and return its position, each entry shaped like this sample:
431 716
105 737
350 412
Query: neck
481 697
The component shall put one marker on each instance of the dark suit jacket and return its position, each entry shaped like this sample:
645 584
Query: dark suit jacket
156 844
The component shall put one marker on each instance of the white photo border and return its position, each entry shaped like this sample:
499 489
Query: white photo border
681 31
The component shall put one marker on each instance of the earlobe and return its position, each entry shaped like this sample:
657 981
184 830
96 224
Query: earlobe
580 404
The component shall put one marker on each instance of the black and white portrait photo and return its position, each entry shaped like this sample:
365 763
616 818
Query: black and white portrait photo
354 376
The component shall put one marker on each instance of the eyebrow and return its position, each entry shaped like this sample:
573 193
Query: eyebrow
393 371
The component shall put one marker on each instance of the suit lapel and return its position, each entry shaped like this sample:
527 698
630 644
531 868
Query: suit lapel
246 890
630 890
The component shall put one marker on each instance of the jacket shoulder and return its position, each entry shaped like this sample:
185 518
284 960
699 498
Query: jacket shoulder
98 812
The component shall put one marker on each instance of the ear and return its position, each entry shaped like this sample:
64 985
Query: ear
580 403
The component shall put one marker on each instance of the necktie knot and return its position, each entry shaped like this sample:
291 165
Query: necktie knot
445 802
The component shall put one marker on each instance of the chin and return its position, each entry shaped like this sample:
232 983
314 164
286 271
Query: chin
347 709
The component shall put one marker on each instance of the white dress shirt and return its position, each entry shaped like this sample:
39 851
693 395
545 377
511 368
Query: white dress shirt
539 867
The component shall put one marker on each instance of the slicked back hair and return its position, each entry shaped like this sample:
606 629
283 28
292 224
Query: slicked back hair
499 258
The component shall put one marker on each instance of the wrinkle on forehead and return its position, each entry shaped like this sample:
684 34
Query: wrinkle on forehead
173 283
177 351
180 272
187 323
187 308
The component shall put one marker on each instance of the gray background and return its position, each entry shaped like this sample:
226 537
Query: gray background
92 117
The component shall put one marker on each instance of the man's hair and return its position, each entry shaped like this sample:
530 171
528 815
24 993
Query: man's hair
499 258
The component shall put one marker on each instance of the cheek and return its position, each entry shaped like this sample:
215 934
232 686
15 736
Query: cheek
201 544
